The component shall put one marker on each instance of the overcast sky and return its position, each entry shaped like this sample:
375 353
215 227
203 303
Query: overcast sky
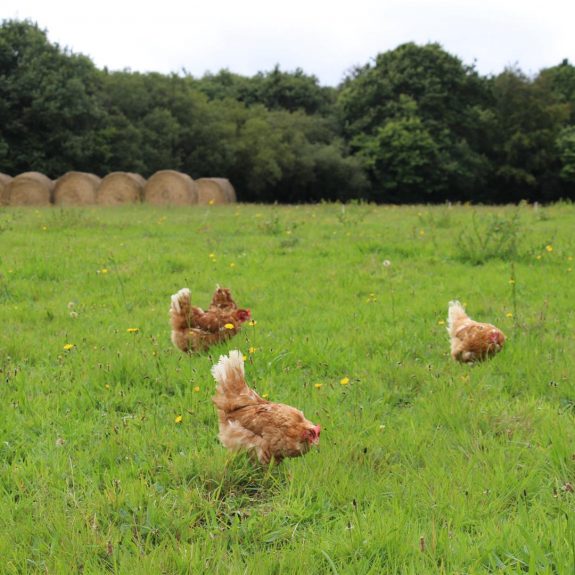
323 37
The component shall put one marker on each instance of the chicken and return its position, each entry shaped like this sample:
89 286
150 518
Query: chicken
268 431
222 300
194 329
470 340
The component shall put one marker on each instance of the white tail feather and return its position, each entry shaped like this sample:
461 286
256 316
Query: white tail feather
227 363
184 293
455 314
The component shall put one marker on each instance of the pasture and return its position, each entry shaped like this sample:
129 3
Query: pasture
109 458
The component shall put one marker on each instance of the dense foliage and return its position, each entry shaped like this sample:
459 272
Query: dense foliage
415 125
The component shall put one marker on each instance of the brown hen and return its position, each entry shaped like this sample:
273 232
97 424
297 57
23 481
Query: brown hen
471 340
194 329
268 431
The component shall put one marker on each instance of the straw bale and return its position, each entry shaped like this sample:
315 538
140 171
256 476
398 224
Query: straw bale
171 187
121 188
76 189
211 191
229 190
5 179
30 189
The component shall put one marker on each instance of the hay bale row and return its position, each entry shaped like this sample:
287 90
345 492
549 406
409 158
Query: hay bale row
165 187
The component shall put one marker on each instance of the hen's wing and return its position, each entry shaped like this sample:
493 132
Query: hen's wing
222 300
475 341
201 340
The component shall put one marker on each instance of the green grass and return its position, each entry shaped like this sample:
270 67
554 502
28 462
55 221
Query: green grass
425 466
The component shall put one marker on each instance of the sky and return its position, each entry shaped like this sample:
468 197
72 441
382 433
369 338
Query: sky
325 38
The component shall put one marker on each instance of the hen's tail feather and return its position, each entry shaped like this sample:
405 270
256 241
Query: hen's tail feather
180 309
455 316
232 391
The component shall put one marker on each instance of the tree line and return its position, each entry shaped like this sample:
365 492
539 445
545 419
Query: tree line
413 125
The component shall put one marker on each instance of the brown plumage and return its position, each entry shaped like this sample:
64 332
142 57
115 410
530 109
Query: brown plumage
471 340
194 329
248 422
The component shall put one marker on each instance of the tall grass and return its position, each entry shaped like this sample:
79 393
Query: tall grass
425 466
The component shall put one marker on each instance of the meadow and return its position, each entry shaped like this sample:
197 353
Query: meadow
109 458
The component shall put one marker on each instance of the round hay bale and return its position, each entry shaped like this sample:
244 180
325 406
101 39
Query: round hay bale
30 189
211 191
76 189
229 190
120 188
5 179
172 188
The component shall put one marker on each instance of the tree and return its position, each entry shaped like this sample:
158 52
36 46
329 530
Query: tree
411 116
276 90
566 149
50 114
403 160
528 117
561 80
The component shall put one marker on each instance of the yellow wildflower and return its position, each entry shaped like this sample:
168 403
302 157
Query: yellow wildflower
421 232
232 265
245 357
69 346
508 314
318 385
265 395
441 322
179 419
197 389
211 202
549 248
229 326
133 330
252 349
538 257
511 281
252 322
344 381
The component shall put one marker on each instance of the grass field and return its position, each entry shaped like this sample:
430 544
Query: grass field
425 466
